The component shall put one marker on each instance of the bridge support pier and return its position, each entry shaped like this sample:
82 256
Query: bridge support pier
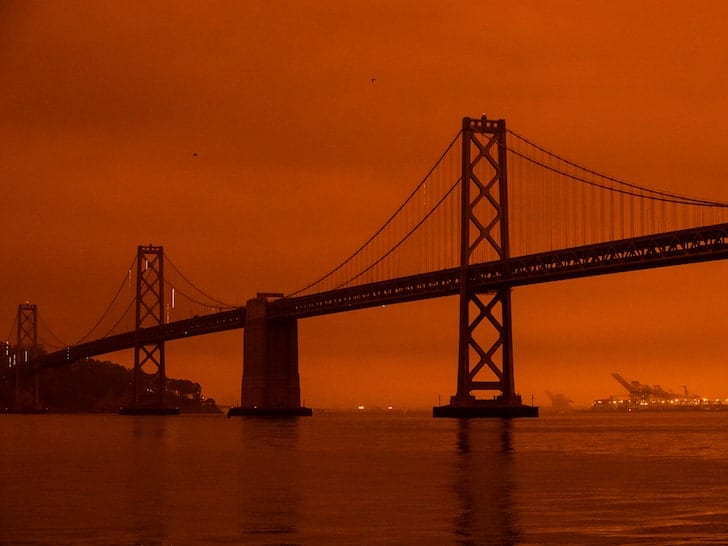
271 385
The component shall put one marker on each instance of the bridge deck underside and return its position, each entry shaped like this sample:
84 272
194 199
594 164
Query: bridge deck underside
661 250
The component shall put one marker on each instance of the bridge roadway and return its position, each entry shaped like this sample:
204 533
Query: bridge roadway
661 250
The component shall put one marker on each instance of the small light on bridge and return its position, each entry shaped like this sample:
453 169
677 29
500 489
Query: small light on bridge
360 408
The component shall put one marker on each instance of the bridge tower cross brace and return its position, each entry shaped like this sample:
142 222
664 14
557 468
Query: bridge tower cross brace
26 349
484 237
149 383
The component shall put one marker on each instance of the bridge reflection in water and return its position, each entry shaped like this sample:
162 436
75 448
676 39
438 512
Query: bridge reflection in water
485 485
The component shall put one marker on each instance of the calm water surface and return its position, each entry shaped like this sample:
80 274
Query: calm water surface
364 478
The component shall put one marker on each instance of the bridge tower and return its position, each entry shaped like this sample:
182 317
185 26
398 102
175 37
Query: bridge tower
149 383
485 331
26 350
271 384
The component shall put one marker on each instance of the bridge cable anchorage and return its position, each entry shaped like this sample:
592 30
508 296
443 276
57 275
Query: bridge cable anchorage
381 229
669 197
124 281
404 239
221 304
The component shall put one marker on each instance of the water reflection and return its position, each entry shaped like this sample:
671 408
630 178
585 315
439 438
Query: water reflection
269 470
484 483
147 478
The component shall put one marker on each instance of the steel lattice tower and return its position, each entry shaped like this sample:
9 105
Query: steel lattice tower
149 384
26 350
485 335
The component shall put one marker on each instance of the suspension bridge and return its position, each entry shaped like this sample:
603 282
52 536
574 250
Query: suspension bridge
496 211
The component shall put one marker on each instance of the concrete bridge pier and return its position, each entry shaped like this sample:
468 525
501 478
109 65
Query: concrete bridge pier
271 385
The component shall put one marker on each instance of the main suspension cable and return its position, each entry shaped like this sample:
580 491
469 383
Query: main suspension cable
405 238
118 291
671 197
128 308
193 285
47 328
389 221
13 328
221 307
658 196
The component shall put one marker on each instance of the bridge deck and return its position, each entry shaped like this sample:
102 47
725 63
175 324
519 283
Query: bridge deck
195 326
660 250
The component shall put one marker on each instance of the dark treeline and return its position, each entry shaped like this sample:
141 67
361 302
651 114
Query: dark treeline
95 386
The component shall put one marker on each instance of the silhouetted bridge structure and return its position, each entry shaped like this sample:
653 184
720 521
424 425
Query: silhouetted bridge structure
453 236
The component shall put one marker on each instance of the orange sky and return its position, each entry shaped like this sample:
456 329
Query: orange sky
301 158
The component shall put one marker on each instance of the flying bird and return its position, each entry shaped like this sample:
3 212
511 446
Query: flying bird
195 154
374 80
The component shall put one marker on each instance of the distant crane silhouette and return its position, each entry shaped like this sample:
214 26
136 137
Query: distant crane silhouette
559 402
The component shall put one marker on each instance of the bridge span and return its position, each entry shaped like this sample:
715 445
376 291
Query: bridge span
647 252
468 228
661 250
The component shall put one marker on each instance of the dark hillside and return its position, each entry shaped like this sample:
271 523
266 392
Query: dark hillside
95 386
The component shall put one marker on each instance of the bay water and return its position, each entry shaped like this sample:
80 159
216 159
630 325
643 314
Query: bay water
389 477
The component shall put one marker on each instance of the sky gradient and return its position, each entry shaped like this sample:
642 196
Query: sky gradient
300 157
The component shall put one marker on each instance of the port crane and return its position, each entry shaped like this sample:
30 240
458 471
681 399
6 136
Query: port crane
641 392
559 402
